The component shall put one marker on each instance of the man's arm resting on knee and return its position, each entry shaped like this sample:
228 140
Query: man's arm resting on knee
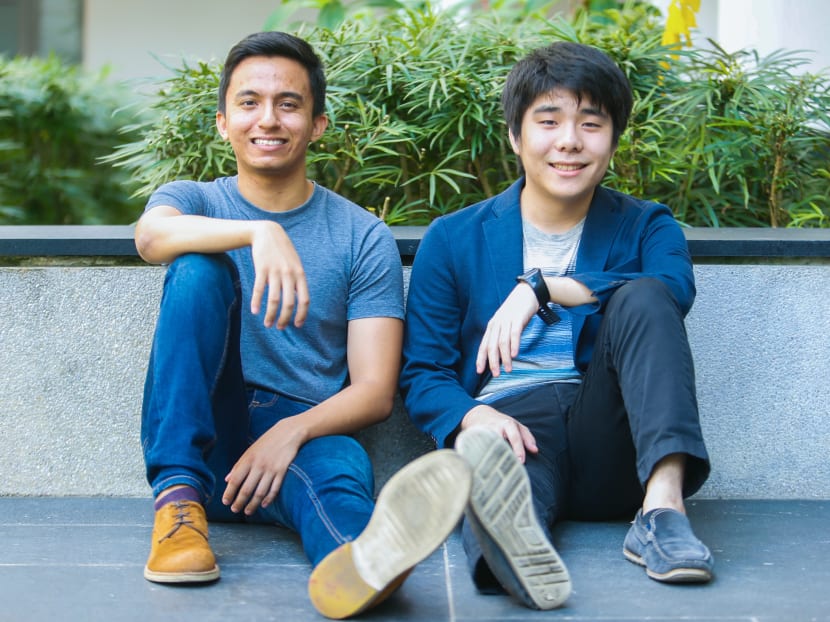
163 233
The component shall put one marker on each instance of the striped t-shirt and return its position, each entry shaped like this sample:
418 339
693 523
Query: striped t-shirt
545 352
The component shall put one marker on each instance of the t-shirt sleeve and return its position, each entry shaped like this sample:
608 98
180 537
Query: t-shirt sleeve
377 276
185 196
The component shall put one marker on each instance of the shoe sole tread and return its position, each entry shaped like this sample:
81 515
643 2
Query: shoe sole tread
415 512
501 503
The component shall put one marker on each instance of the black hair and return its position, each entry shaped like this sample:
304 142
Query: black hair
282 44
581 69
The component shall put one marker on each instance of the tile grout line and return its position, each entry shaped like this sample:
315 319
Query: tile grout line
448 582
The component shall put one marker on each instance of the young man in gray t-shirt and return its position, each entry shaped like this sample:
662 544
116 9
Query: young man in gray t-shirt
279 334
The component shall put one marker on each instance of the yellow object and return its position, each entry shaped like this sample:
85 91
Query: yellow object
415 512
180 550
338 591
681 19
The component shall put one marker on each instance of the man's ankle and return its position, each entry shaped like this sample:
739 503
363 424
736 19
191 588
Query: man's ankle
178 492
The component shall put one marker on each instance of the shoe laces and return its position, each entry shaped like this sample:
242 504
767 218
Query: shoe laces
183 519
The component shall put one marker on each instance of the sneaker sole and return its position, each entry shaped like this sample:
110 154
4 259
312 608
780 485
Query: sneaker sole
501 506
676 575
205 576
415 512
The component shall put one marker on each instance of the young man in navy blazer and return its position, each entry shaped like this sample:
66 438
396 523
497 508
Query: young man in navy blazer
545 340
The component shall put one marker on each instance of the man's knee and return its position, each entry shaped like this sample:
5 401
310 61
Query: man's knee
336 456
643 297
202 270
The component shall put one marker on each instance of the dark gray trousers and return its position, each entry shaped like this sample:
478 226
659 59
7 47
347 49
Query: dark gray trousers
600 440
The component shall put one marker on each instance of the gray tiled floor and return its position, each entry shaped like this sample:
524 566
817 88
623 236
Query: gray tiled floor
81 559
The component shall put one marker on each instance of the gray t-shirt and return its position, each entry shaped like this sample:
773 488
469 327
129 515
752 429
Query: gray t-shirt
546 353
353 270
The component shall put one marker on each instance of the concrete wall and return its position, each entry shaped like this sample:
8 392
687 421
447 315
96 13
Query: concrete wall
75 342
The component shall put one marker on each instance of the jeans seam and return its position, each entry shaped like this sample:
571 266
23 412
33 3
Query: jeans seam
224 359
318 506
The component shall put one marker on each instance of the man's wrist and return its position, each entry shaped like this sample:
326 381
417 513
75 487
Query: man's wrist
536 280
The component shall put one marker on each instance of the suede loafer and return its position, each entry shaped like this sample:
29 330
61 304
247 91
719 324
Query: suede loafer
663 542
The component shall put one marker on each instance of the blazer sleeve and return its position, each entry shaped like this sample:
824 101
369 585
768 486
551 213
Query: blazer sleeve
435 384
652 245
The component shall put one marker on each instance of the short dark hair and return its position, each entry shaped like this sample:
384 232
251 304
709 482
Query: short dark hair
575 67
270 44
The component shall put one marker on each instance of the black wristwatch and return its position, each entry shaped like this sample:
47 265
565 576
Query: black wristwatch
536 280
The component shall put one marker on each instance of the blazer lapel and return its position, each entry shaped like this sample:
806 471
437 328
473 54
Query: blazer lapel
600 227
503 239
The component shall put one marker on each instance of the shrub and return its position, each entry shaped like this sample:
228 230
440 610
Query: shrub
417 131
55 122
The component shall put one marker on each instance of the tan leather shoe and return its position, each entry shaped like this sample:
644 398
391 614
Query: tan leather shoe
180 550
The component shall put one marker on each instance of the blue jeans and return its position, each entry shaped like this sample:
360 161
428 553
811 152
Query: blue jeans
199 416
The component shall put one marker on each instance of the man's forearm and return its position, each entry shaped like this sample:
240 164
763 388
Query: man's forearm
567 292
160 239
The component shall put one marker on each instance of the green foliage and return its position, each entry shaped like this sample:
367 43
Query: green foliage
178 134
416 128
760 131
329 13
54 124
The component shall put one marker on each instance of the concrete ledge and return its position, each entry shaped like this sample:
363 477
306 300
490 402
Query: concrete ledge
76 339
117 241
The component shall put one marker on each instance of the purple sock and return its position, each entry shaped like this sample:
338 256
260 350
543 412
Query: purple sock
186 493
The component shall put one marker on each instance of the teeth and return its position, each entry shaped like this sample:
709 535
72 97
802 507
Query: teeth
567 167
268 141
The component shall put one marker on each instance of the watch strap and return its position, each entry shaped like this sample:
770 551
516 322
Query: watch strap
536 280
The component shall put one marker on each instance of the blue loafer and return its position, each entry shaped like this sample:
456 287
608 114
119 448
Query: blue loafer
662 540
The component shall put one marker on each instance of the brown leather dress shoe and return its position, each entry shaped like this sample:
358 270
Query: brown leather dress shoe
180 550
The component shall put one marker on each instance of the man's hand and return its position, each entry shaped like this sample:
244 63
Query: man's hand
518 435
500 343
277 266
255 479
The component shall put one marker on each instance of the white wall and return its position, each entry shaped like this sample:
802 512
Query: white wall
765 26
769 25
134 36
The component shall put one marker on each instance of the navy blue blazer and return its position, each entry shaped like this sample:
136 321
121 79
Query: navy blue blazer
466 266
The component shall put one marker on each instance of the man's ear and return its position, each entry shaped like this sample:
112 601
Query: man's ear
515 143
321 122
221 125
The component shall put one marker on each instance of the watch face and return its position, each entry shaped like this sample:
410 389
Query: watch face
532 276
